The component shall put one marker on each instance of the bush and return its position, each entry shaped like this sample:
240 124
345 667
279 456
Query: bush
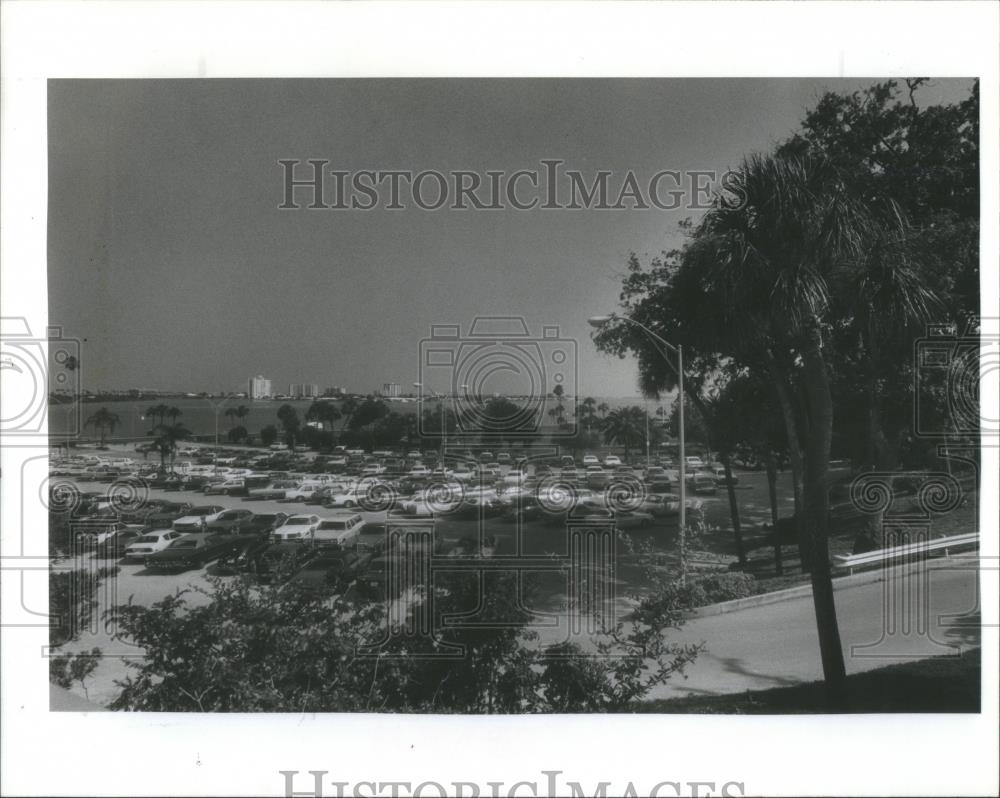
715 588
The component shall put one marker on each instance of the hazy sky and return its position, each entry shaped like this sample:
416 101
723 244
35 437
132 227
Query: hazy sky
169 255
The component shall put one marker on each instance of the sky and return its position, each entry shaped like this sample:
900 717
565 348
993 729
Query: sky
171 260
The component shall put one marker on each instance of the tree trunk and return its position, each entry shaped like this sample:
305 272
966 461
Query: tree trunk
814 518
772 492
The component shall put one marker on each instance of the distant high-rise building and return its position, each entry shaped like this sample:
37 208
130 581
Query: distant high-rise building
390 389
259 387
303 390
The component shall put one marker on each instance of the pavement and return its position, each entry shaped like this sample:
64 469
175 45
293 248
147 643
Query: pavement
911 614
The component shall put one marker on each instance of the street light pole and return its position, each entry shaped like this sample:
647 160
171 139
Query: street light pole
646 414
600 321
683 465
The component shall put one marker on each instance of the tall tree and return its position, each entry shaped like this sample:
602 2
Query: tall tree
104 421
762 283
290 423
625 426
165 440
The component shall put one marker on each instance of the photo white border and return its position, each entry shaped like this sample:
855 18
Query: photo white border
69 754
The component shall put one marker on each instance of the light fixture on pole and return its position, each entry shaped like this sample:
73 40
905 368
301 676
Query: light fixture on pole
602 321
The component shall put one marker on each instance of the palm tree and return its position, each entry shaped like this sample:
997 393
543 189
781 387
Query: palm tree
766 282
166 440
625 426
231 415
323 412
103 421
289 419
347 409
241 413
157 413
173 414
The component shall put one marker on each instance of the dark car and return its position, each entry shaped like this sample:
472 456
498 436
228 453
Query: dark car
375 583
114 547
372 539
191 551
331 569
244 557
526 508
280 560
262 524
230 521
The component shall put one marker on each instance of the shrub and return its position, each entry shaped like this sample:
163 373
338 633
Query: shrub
714 588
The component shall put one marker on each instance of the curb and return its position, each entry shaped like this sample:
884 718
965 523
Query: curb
839 583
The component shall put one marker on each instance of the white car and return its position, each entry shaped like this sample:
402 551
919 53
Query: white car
372 470
612 460
339 530
99 535
297 527
192 521
693 461
419 471
590 460
351 497
304 490
225 487
480 497
150 543
441 499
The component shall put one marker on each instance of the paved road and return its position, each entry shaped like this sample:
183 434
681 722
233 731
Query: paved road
776 645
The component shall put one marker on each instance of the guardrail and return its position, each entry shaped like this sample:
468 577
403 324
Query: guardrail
849 562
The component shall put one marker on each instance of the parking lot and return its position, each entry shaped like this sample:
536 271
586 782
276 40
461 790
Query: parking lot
456 535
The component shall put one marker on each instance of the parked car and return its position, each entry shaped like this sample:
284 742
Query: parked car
162 516
351 497
331 569
114 546
261 524
304 491
339 530
693 461
243 557
612 460
96 534
419 471
273 490
230 521
660 504
150 543
297 528
704 483
191 551
280 560
621 519
719 473
590 460
193 520
524 508
225 487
